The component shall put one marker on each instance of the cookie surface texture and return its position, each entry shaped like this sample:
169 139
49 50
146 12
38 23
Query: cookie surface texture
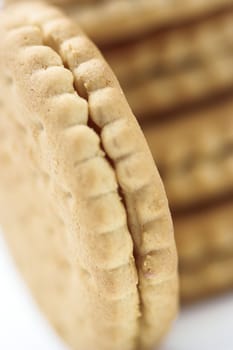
82 205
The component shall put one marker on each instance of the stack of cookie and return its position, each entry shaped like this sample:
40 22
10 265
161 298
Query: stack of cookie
194 152
174 62
189 127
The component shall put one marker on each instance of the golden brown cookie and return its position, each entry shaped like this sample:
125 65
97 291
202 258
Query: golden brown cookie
194 154
213 277
82 205
205 234
168 52
181 89
116 21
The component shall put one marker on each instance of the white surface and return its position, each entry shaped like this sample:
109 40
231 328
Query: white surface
206 326
21 325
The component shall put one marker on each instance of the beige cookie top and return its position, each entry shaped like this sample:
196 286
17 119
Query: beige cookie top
90 144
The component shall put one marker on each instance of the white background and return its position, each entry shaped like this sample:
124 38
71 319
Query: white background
205 326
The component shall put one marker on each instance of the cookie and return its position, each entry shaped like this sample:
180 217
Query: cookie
82 205
196 163
205 246
214 277
181 89
118 21
168 52
204 234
